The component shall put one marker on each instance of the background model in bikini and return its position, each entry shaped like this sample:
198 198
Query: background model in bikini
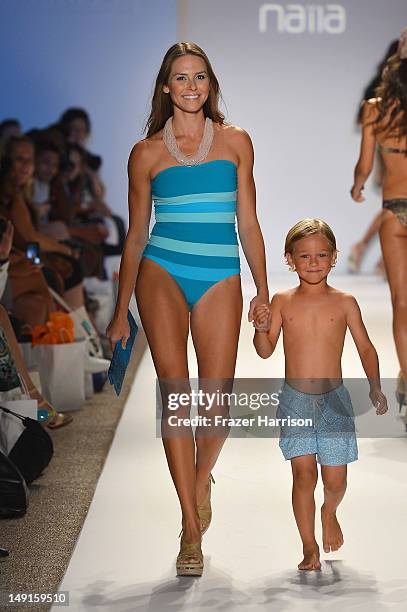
385 126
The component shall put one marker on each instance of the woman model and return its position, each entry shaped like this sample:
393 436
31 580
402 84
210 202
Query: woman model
385 125
199 172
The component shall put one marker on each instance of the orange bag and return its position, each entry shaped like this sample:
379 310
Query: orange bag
58 330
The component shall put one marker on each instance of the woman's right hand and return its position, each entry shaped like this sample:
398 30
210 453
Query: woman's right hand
118 329
356 194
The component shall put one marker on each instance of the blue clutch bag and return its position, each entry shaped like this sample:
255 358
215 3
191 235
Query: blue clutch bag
121 357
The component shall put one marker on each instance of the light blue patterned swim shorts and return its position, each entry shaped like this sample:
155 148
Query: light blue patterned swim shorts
331 436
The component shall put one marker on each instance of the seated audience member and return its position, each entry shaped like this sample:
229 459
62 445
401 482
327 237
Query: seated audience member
15 181
29 297
48 199
80 188
47 161
12 364
61 268
76 126
73 203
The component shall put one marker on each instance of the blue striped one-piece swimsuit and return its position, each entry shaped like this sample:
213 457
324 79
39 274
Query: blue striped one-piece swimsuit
194 237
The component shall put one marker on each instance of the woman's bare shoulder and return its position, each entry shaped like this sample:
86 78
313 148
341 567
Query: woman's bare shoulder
239 141
234 132
144 153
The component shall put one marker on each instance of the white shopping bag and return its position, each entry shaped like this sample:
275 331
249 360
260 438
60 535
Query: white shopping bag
82 325
62 373
11 427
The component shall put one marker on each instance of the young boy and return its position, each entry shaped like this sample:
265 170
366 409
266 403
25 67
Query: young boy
314 318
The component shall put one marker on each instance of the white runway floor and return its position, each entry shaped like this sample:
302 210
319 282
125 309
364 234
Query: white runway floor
124 559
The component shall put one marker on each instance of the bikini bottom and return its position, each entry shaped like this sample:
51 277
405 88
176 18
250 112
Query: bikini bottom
398 207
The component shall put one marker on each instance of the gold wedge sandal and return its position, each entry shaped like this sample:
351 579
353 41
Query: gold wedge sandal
205 510
190 559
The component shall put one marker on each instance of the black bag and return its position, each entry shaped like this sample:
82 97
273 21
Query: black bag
33 450
13 490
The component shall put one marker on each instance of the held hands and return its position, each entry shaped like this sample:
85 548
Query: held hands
379 401
262 318
118 329
356 194
262 298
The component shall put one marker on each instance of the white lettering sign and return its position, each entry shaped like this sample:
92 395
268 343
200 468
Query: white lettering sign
299 18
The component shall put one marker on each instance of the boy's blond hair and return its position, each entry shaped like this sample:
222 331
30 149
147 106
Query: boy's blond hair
308 227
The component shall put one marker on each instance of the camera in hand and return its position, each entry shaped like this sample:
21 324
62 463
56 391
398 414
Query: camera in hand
32 252
93 161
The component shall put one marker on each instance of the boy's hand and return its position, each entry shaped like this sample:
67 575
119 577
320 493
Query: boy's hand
262 298
379 401
262 318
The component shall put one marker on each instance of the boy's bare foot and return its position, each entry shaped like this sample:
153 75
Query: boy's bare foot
332 537
311 559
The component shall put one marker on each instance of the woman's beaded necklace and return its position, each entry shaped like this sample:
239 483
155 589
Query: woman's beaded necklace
202 151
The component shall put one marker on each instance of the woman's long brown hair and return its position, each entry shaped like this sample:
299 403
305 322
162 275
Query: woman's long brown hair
161 105
392 98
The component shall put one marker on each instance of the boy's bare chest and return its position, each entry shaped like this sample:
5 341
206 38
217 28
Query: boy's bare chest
313 319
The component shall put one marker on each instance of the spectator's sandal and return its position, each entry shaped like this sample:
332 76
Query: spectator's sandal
55 419
58 420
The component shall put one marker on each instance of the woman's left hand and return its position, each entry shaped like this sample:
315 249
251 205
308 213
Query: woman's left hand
261 298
